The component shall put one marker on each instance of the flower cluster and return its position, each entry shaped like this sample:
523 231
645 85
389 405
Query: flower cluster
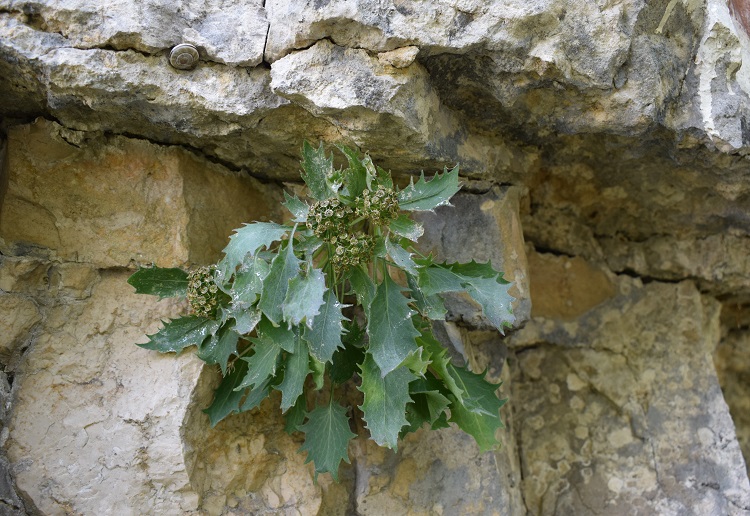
350 250
202 291
328 215
380 206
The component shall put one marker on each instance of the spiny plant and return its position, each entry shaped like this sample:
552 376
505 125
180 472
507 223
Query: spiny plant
338 294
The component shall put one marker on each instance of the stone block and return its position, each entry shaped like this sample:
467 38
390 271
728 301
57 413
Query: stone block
565 288
19 315
105 415
621 410
117 201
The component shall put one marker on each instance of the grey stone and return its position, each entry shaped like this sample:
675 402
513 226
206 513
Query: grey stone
622 409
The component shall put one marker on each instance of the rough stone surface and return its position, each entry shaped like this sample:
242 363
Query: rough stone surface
609 136
80 385
126 200
732 360
621 410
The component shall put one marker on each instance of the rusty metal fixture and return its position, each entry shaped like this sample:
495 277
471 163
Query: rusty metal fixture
184 57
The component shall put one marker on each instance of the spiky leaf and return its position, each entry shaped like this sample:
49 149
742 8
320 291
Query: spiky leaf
298 208
262 363
401 256
283 335
403 226
485 285
324 336
246 320
441 363
480 426
157 281
357 177
304 297
362 286
219 347
428 195
178 334
284 267
390 327
317 169
226 398
247 240
256 395
248 282
327 437
346 360
296 368
295 416
429 306
479 394
385 400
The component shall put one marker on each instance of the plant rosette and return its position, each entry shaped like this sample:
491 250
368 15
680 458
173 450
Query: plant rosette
338 294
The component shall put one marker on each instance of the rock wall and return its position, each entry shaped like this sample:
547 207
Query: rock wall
603 148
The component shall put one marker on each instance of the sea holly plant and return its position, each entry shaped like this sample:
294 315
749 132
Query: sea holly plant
340 294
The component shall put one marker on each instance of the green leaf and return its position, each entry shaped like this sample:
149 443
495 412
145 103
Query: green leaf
247 240
160 282
324 336
441 363
221 346
385 400
346 360
362 286
401 256
327 437
428 195
248 282
478 413
284 336
178 334
298 208
428 407
384 176
429 306
296 368
256 396
418 361
284 267
479 394
304 297
390 327
245 320
357 178
317 169
262 363
404 227
226 398
295 416
485 285
318 369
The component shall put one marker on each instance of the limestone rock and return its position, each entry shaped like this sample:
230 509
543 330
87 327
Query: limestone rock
393 112
83 382
153 27
732 360
112 204
565 288
20 315
622 409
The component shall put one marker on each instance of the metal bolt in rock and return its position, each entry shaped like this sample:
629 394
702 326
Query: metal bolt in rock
184 57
